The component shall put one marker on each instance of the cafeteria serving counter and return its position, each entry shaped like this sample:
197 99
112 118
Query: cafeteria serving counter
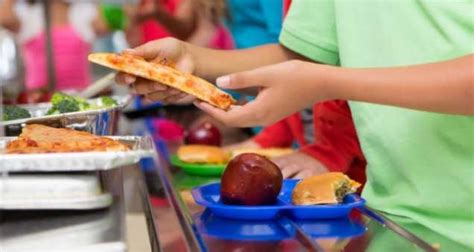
171 221
182 225
116 228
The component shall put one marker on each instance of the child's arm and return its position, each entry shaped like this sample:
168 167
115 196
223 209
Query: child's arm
444 87
299 165
8 18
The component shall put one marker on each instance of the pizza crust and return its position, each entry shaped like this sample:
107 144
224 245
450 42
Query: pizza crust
169 76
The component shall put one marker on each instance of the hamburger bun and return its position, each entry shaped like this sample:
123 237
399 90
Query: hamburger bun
202 154
327 188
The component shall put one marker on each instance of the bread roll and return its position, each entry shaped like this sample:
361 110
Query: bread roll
327 188
202 154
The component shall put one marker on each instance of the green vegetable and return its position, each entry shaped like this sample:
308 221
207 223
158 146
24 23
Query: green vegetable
63 103
67 105
14 112
108 101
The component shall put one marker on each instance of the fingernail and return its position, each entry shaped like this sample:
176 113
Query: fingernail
129 79
197 104
223 81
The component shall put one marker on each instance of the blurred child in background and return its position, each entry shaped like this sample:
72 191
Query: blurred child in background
255 22
196 21
72 34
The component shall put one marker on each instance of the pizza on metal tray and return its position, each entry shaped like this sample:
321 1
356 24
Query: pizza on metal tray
37 138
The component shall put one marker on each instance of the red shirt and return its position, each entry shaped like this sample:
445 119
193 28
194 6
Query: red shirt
152 29
336 144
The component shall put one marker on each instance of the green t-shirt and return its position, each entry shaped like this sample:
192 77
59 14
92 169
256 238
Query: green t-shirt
420 164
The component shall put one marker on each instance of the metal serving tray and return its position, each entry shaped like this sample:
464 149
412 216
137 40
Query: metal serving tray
140 147
96 121
52 191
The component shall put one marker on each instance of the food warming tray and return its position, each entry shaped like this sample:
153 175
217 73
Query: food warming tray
141 147
96 121
209 196
52 191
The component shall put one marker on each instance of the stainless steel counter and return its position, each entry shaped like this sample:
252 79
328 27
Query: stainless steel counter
101 230
98 230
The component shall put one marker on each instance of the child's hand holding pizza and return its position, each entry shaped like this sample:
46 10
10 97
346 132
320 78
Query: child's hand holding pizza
161 71
167 51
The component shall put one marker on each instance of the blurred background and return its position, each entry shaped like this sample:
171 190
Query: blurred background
44 43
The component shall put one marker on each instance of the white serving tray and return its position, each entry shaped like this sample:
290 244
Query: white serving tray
52 191
141 147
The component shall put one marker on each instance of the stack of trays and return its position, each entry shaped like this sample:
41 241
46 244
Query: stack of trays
65 180
53 191
275 222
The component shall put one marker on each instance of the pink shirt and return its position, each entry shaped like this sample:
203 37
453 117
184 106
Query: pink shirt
70 58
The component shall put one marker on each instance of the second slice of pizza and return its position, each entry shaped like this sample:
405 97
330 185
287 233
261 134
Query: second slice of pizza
185 82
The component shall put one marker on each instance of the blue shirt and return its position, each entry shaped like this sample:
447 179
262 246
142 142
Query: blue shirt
255 22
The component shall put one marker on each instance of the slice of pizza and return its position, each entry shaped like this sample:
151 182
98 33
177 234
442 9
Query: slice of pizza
37 138
185 82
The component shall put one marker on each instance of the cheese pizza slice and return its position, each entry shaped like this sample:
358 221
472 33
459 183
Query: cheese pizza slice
185 82
37 138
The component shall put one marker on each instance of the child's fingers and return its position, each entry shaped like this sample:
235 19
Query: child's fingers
246 79
260 77
304 173
157 96
236 116
148 51
280 161
289 170
124 78
172 98
144 86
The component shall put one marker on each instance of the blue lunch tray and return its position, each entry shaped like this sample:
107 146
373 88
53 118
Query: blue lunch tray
209 196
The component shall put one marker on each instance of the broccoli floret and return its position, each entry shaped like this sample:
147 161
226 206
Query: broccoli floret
52 111
63 103
82 103
58 96
14 112
108 101
67 105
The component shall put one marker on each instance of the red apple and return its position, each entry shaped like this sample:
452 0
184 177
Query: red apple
251 179
205 133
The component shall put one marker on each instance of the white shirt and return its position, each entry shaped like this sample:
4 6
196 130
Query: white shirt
81 15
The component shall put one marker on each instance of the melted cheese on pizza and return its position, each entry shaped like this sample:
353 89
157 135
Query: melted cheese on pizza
37 138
